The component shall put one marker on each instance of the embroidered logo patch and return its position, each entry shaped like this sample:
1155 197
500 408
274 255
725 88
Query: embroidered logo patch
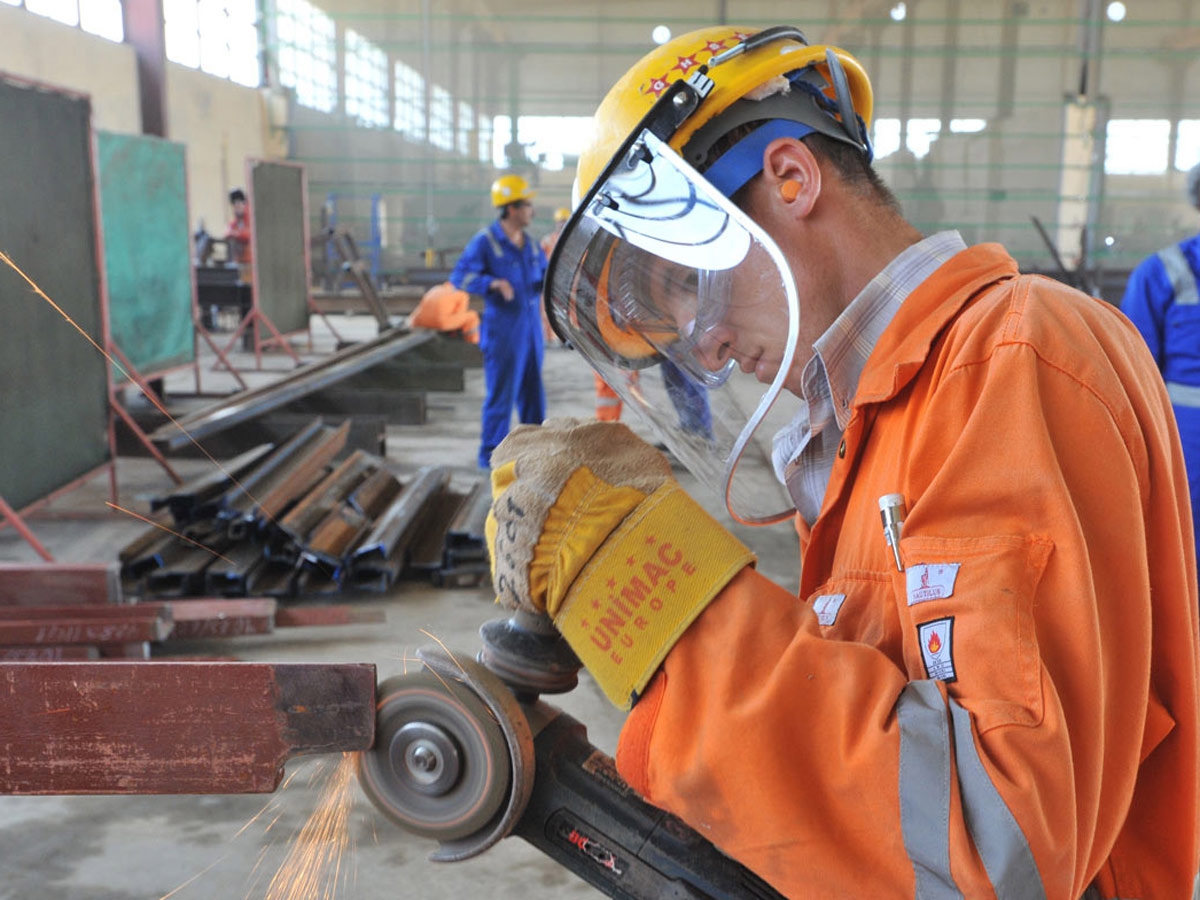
937 648
930 581
826 607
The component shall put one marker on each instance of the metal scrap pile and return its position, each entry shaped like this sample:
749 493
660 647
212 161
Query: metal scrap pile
293 521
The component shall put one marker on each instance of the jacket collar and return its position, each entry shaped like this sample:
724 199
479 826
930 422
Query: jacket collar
905 344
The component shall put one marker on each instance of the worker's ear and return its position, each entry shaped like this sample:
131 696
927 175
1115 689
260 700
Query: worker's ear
792 176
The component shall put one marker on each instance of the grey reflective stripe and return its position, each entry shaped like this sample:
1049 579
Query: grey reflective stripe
497 250
1183 279
925 788
997 836
1183 394
925 750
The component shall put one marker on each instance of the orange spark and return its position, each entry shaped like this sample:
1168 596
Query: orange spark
312 869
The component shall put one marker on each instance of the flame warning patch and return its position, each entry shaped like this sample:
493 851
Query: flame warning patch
937 648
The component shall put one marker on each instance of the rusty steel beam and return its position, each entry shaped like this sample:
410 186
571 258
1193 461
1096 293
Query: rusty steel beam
307 616
84 624
175 727
249 404
56 584
200 618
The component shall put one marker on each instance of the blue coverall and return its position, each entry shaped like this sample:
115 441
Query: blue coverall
510 335
1162 300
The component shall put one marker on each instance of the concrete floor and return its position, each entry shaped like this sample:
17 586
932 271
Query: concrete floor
205 847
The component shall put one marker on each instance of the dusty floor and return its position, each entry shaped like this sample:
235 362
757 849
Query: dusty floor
228 847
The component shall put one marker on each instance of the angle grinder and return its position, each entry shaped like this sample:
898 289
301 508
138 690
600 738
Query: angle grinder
467 753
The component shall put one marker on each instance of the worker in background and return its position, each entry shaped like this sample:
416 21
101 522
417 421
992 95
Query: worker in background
561 214
987 686
238 233
446 308
1163 301
505 266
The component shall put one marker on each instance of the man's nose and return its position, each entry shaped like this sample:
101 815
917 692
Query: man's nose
713 347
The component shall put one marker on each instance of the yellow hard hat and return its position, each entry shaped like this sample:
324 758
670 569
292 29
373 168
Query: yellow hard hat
561 215
509 189
742 63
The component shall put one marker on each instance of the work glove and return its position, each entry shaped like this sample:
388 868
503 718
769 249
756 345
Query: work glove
589 526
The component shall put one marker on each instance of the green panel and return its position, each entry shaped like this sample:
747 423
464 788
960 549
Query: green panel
53 383
280 244
143 208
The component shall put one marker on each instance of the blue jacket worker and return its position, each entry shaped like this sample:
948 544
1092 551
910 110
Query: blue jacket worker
1162 300
505 266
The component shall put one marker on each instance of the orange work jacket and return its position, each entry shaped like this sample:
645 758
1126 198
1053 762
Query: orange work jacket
1015 713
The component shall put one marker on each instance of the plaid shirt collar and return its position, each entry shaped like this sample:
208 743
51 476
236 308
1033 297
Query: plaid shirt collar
804 450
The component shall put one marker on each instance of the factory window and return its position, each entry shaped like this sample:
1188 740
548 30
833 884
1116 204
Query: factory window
410 102
485 140
547 140
1187 146
466 127
307 53
919 135
1136 146
100 17
366 81
441 118
219 37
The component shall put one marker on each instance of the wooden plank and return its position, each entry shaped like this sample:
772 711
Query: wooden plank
51 584
219 618
175 727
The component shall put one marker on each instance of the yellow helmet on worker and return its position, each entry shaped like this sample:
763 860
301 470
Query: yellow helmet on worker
510 189
645 271
743 64
561 215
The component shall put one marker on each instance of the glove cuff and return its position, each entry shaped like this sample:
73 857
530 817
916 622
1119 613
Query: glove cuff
644 586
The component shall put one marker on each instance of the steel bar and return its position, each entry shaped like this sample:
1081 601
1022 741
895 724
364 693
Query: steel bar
85 625
400 516
175 727
50 584
333 490
201 498
219 618
307 616
248 404
49 653
241 496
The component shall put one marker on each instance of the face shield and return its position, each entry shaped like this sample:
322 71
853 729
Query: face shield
669 289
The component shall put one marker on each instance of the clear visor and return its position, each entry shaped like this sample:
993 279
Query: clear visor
668 289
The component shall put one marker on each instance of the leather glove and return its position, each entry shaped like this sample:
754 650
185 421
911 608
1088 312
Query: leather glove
589 526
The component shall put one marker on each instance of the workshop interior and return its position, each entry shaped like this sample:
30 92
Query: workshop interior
248 638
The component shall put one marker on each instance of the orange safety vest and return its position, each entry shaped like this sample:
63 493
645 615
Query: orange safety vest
1015 713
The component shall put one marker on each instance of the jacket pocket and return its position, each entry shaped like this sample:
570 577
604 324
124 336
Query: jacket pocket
968 605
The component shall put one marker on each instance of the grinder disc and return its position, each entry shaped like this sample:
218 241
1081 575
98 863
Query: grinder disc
440 766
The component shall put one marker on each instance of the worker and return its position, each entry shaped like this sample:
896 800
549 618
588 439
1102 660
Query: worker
238 233
1163 301
561 214
987 684
505 266
446 308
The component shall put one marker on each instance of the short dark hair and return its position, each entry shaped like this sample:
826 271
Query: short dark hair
237 194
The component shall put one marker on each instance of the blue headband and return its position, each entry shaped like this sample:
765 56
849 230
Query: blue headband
744 160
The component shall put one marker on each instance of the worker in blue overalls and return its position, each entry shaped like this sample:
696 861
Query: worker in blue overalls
1163 301
505 266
